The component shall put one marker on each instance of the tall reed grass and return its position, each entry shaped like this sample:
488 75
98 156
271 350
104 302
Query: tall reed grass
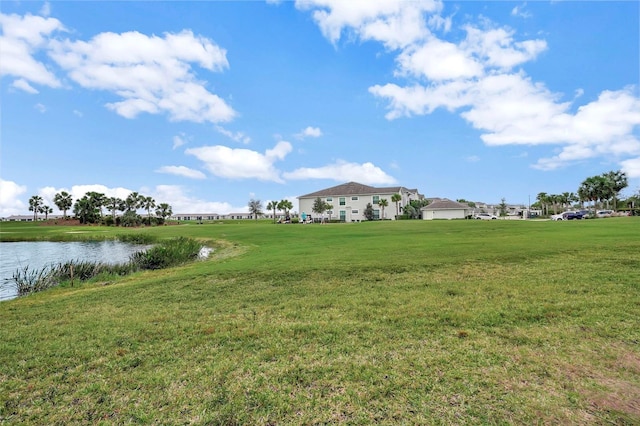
163 255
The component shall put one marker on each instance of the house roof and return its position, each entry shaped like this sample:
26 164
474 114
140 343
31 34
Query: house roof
355 188
445 204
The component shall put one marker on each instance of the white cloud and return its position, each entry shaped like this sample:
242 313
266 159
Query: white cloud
40 107
438 60
472 159
22 37
150 74
631 167
497 48
235 136
520 12
45 10
341 171
477 78
394 23
179 140
24 85
309 132
232 163
78 191
10 203
182 171
181 202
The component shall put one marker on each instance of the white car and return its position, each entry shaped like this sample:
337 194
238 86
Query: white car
604 213
485 216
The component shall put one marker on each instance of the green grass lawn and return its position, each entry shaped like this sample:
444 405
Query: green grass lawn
411 322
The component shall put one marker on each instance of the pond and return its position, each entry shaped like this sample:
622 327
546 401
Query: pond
37 255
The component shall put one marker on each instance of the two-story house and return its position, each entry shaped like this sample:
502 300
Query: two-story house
349 201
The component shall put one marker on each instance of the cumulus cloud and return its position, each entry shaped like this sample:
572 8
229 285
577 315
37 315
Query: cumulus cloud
181 202
394 23
309 132
151 74
182 171
78 191
631 167
10 203
148 74
366 173
479 77
232 163
22 37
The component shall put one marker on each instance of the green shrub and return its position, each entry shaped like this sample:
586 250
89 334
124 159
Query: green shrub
168 253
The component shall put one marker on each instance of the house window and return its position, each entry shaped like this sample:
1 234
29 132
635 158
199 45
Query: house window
342 201
329 199
354 198
376 215
343 215
376 199
354 211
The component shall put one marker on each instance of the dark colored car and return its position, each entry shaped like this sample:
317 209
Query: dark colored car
572 216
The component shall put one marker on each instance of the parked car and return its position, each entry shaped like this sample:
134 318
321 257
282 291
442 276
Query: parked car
485 216
585 213
604 213
567 216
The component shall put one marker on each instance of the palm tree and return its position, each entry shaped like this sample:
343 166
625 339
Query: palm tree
45 210
565 197
593 189
273 205
148 203
255 208
543 199
35 203
63 201
383 203
132 202
286 206
114 204
164 211
396 198
615 182
86 209
98 200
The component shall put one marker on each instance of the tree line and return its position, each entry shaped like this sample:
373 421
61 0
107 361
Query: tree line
600 190
89 209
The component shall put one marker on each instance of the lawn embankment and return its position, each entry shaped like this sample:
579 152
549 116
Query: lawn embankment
461 322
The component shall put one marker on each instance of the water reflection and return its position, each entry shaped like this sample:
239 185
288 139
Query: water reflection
37 255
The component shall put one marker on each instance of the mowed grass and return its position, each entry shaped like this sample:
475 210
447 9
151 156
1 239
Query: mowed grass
411 322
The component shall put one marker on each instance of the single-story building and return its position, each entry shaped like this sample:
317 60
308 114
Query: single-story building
349 201
210 216
445 209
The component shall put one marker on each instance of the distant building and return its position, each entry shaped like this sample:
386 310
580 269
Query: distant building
445 209
349 201
210 216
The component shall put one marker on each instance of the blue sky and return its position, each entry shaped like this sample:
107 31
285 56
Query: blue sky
205 105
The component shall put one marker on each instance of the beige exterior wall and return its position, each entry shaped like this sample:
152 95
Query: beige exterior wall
443 214
354 205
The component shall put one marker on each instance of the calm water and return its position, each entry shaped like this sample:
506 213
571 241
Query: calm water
37 255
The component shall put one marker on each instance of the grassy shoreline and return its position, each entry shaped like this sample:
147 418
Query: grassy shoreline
396 322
